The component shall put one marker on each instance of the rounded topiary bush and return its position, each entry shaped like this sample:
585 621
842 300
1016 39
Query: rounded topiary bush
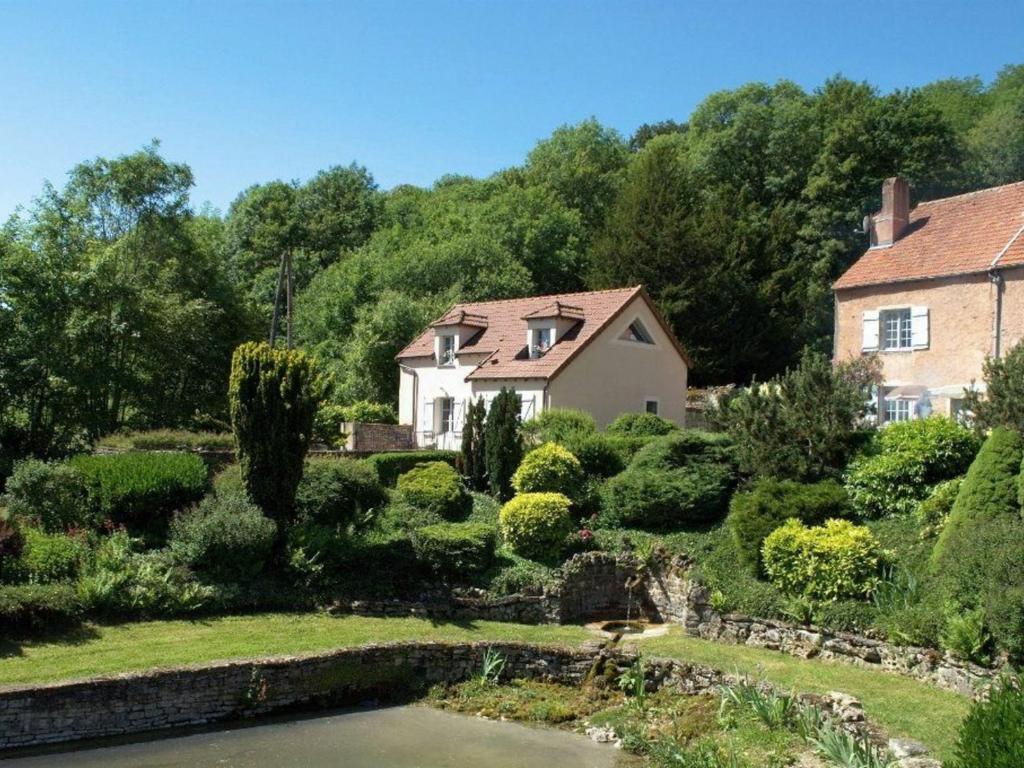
641 425
828 562
992 734
226 537
683 449
559 425
536 525
336 491
598 455
455 549
755 513
666 499
436 487
549 468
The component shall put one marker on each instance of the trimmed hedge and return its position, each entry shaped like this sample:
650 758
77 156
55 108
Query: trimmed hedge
52 494
336 491
654 499
455 549
436 487
755 513
225 537
390 465
536 525
828 562
641 425
549 468
35 608
142 490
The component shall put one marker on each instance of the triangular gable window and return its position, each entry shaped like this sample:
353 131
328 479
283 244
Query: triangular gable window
638 333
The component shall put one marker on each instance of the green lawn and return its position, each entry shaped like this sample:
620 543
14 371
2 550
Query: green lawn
904 707
901 705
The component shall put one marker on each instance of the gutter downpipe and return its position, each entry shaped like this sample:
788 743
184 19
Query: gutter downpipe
415 397
996 276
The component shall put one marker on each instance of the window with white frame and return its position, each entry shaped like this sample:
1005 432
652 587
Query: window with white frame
898 409
543 340
651 406
446 415
446 350
897 329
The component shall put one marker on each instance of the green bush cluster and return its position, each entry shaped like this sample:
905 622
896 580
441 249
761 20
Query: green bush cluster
910 457
755 513
931 514
455 550
559 425
47 557
53 495
142 490
992 734
38 608
536 525
641 425
599 455
12 542
828 562
551 468
436 487
337 491
169 440
226 538
389 466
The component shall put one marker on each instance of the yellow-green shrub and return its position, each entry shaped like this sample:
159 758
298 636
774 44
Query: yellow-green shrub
828 562
436 487
536 525
549 468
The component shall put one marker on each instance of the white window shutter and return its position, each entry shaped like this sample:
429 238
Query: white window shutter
919 327
870 343
428 416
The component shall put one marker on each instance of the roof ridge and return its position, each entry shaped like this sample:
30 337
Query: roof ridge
551 296
973 192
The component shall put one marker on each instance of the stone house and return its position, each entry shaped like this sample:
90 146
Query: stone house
605 352
940 289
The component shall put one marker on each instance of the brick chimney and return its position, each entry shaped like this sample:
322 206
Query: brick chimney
889 223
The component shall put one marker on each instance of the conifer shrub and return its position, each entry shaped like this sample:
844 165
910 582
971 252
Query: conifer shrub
336 491
273 396
226 538
599 455
659 500
559 425
54 495
535 525
684 448
992 734
436 487
755 513
455 550
931 514
390 465
641 425
549 467
828 562
474 446
142 490
504 443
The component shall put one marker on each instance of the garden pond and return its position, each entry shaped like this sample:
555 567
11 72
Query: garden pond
397 737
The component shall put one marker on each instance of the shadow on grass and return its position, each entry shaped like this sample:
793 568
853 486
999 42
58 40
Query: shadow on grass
12 647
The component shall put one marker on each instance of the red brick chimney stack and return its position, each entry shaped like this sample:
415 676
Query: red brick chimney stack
889 223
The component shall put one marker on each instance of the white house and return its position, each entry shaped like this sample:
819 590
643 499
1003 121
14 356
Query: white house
605 352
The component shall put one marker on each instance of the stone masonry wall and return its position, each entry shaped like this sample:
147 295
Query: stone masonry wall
378 438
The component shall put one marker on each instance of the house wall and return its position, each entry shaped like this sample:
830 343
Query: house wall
960 316
610 377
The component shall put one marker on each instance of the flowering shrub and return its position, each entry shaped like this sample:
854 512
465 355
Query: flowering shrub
828 562
536 525
549 468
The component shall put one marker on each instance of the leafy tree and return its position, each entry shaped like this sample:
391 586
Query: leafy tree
474 446
337 210
274 395
1003 402
503 444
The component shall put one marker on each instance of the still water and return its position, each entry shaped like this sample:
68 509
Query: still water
395 737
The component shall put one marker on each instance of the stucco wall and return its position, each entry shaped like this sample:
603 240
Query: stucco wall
610 377
960 313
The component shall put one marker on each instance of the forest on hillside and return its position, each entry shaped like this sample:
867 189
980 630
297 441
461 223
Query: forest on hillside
120 303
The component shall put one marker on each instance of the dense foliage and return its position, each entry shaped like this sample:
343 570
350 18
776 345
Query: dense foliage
550 467
559 425
51 494
474 446
455 549
437 488
641 425
536 525
826 562
225 538
992 735
503 442
273 395
335 492
390 465
1003 402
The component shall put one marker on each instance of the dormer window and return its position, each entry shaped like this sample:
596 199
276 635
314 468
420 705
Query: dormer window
446 350
637 333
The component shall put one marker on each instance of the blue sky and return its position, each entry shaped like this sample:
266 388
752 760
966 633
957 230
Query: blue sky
249 92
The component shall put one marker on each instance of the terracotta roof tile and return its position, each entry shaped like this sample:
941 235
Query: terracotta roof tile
953 236
504 338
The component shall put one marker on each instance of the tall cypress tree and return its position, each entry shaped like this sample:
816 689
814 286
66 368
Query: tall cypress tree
503 443
474 460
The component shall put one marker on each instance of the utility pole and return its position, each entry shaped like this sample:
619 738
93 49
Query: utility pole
284 280
288 309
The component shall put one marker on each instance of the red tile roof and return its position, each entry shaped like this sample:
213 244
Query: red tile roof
953 236
504 338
